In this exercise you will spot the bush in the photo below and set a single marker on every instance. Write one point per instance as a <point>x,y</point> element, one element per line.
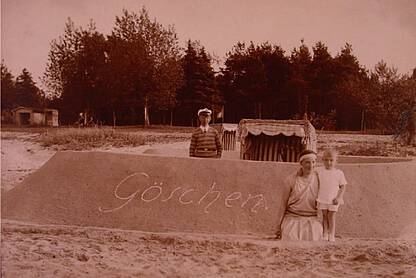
<point>320,121</point>
<point>87,138</point>
<point>324,122</point>
<point>405,132</point>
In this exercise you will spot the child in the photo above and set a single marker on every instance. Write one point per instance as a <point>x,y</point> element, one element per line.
<point>331,190</point>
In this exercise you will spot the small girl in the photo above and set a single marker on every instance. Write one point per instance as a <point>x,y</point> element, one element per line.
<point>331,190</point>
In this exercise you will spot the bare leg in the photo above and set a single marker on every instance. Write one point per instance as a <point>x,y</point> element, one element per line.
<point>325,223</point>
<point>331,222</point>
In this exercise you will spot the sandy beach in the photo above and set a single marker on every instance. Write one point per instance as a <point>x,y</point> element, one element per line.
<point>33,250</point>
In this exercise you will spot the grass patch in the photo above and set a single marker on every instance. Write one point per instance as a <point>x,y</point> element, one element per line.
<point>158,128</point>
<point>377,149</point>
<point>9,136</point>
<point>87,138</point>
<point>364,150</point>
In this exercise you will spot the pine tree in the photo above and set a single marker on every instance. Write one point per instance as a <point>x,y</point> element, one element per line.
<point>300,80</point>
<point>27,94</point>
<point>199,87</point>
<point>8,96</point>
<point>322,80</point>
<point>351,89</point>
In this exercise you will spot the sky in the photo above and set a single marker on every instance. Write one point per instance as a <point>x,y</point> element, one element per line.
<point>377,29</point>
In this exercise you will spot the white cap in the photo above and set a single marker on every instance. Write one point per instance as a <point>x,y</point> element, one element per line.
<point>205,110</point>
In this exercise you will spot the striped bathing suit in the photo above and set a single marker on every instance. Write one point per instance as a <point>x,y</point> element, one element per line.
<point>205,144</point>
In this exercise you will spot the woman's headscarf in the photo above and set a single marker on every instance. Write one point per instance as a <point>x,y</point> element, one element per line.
<point>307,154</point>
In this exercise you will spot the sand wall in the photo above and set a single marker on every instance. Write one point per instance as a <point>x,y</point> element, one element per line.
<point>380,200</point>
<point>151,193</point>
<point>155,193</point>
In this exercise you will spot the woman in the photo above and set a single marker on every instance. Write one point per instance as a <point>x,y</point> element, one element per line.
<point>300,221</point>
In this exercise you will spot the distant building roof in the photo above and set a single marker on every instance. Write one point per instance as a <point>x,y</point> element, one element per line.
<point>34,109</point>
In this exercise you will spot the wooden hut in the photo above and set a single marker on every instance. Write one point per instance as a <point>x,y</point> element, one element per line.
<point>228,133</point>
<point>275,140</point>
<point>23,116</point>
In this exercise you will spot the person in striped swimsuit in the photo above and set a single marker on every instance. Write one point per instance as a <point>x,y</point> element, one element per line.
<point>205,141</point>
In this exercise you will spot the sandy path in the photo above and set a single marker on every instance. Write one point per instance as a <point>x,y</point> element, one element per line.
<point>19,158</point>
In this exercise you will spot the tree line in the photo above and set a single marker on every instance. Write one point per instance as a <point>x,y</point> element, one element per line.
<point>19,91</point>
<point>139,74</point>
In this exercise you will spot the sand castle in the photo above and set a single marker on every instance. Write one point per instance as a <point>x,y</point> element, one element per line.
<point>162,194</point>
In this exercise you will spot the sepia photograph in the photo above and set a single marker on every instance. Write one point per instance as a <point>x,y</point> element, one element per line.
<point>195,138</point>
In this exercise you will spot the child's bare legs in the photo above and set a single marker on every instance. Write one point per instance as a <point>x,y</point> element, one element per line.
<point>331,225</point>
<point>325,222</point>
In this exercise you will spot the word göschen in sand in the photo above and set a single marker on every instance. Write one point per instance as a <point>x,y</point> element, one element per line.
<point>154,192</point>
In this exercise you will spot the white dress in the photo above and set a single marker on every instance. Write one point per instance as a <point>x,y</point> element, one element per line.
<point>300,221</point>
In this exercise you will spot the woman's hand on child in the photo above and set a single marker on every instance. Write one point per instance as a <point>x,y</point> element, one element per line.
<point>278,234</point>
<point>335,201</point>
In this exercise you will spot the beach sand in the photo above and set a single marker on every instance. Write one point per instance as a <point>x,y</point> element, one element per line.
<point>32,250</point>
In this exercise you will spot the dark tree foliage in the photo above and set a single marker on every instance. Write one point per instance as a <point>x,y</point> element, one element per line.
<point>138,74</point>
<point>153,63</point>
<point>253,81</point>
<point>323,80</point>
<point>27,94</point>
<point>199,87</point>
<point>21,91</point>
<point>351,80</point>
<point>115,79</point>
<point>389,96</point>
<point>8,96</point>
<point>74,72</point>
<point>299,84</point>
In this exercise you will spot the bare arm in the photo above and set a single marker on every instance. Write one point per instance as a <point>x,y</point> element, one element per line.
<point>340,194</point>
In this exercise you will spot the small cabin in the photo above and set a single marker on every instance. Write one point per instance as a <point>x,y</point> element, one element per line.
<point>29,116</point>
<point>275,140</point>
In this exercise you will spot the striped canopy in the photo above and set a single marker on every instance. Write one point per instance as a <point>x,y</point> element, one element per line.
<point>302,129</point>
